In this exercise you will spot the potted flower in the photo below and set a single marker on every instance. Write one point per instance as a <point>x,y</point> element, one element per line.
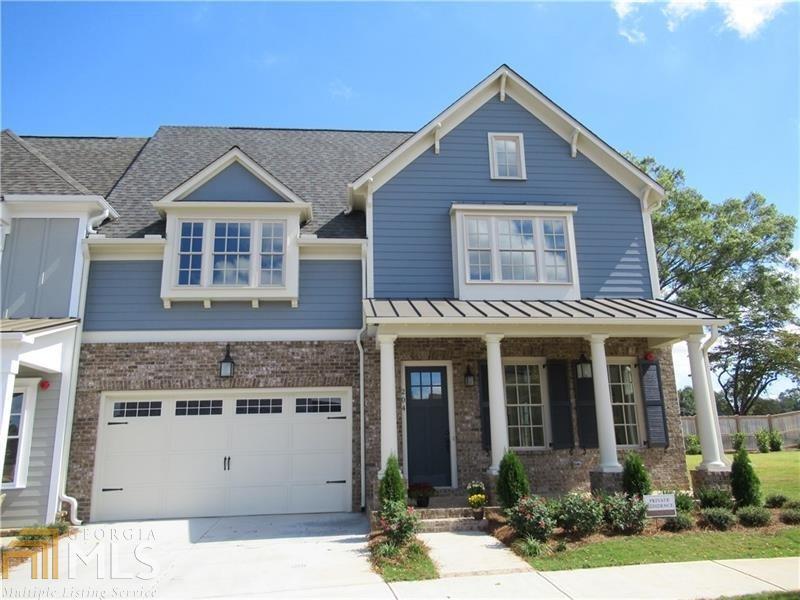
<point>475,487</point>
<point>476,503</point>
<point>421,492</point>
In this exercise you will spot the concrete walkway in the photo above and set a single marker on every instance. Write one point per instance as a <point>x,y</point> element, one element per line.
<point>463,553</point>
<point>689,580</point>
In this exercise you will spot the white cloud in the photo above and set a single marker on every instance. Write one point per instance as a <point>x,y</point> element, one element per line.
<point>339,89</point>
<point>627,12</point>
<point>747,17</point>
<point>677,11</point>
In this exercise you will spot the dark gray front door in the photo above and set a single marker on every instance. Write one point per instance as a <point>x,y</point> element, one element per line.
<point>428,425</point>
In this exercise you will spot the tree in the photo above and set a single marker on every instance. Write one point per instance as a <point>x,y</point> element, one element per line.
<point>790,399</point>
<point>686,399</point>
<point>732,259</point>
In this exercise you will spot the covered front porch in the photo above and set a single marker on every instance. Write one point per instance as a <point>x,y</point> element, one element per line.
<point>570,386</point>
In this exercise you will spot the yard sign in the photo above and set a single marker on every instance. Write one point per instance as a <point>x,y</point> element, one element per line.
<point>660,505</point>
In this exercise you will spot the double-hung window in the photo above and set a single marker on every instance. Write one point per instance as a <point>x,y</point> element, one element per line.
<point>525,404</point>
<point>231,254</point>
<point>506,156</point>
<point>20,432</point>
<point>190,253</point>
<point>624,406</point>
<point>479,249</point>
<point>272,253</point>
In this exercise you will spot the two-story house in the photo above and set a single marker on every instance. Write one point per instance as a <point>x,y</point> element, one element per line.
<point>269,314</point>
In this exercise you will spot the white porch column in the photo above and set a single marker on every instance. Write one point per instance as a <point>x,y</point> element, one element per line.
<point>606,438</point>
<point>388,399</point>
<point>706,423</point>
<point>497,403</point>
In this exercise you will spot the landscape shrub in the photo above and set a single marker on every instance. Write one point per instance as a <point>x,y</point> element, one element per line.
<point>715,497</point>
<point>530,517</point>
<point>775,441</point>
<point>681,522</point>
<point>718,518</point>
<point>738,440</point>
<point>745,484</point>
<point>691,444</point>
<point>624,514</point>
<point>792,504</point>
<point>635,478</point>
<point>37,533</point>
<point>580,515</point>
<point>530,547</point>
<point>392,487</point>
<point>775,500</point>
<point>762,440</point>
<point>512,482</point>
<point>790,516</point>
<point>385,550</point>
<point>753,516</point>
<point>398,522</point>
<point>684,502</point>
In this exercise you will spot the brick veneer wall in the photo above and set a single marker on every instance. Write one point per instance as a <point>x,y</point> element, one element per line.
<point>182,366</point>
<point>550,471</point>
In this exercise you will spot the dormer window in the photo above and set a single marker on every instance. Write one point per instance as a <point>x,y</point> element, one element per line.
<point>507,156</point>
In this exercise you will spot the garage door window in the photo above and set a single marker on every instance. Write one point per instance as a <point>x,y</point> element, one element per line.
<point>318,405</point>
<point>198,407</point>
<point>259,406</point>
<point>137,409</point>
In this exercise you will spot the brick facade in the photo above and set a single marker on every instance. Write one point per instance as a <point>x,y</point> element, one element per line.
<point>174,366</point>
<point>550,471</point>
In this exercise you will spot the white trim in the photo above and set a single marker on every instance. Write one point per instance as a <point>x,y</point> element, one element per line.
<point>537,104</point>
<point>36,204</point>
<point>652,261</point>
<point>637,397</point>
<point>514,208</point>
<point>540,362</point>
<point>28,387</point>
<point>101,248</point>
<point>330,249</point>
<point>219,335</point>
<point>518,138</point>
<point>233,155</point>
<point>370,247</point>
<point>451,413</point>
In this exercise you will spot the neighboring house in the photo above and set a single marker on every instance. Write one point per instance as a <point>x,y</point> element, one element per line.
<point>269,314</point>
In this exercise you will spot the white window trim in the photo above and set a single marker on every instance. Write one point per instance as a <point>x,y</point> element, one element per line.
<point>493,136</point>
<point>28,387</point>
<point>541,362</point>
<point>637,397</point>
<point>497,288</point>
<point>253,292</point>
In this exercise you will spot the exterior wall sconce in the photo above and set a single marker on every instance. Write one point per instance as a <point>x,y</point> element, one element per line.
<point>469,378</point>
<point>584,367</point>
<point>226,365</point>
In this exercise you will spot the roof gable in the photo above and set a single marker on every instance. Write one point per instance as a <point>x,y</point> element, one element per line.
<point>507,83</point>
<point>234,183</point>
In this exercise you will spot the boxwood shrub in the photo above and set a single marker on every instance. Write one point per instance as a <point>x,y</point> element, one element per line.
<point>681,522</point>
<point>715,497</point>
<point>718,518</point>
<point>753,516</point>
<point>790,516</point>
<point>775,500</point>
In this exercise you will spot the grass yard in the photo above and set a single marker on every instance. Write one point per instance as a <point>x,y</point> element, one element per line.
<point>700,545</point>
<point>779,472</point>
<point>411,563</point>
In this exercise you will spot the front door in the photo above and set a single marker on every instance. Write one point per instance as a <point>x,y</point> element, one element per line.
<point>428,425</point>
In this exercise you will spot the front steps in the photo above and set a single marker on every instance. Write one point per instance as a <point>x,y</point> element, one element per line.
<point>449,519</point>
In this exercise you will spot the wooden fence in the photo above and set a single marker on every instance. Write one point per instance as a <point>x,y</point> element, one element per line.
<point>788,424</point>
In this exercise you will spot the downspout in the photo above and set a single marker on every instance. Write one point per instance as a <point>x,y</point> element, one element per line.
<point>97,220</point>
<point>712,339</point>
<point>361,331</point>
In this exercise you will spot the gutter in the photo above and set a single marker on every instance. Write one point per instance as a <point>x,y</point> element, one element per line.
<point>705,347</point>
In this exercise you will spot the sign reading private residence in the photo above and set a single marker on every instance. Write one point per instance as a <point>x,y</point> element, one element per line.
<point>660,505</point>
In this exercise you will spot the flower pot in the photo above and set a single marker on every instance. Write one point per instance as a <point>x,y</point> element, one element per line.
<point>423,501</point>
<point>477,513</point>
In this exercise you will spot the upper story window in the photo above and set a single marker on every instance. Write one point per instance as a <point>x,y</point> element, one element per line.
<point>507,156</point>
<point>20,433</point>
<point>524,252</point>
<point>190,254</point>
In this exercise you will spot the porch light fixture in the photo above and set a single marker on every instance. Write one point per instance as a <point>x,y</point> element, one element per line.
<point>584,367</point>
<point>226,365</point>
<point>469,378</point>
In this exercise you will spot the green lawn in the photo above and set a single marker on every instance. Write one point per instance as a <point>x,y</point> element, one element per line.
<point>412,563</point>
<point>700,545</point>
<point>779,472</point>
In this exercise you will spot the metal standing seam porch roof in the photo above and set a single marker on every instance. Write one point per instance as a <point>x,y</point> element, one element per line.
<point>595,311</point>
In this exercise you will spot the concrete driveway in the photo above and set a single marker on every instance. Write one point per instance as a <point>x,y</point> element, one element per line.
<point>213,557</point>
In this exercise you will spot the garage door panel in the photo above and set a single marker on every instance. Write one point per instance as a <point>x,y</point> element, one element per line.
<point>320,434</point>
<point>195,501</point>
<point>130,503</point>
<point>207,433</point>
<point>319,498</point>
<point>260,500</point>
<point>134,469</point>
<point>260,433</point>
<point>149,433</point>
<point>257,469</point>
<point>196,467</point>
<point>310,468</point>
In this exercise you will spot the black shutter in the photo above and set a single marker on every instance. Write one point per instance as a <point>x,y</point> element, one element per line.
<point>584,407</point>
<point>655,414</point>
<point>560,408</point>
<point>483,382</point>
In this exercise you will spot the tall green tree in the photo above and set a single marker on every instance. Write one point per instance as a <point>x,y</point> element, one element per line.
<point>732,259</point>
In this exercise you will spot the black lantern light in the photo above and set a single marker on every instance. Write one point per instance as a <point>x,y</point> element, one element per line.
<point>226,365</point>
<point>469,378</point>
<point>584,368</point>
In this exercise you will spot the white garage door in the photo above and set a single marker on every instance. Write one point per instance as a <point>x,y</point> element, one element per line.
<point>190,454</point>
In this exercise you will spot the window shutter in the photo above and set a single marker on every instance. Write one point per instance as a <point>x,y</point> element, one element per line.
<point>483,382</point>
<point>655,414</point>
<point>560,408</point>
<point>584,407</point>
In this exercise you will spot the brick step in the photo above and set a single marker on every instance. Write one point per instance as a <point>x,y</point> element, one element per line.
<point>444,513</point>
<point>452,524</point>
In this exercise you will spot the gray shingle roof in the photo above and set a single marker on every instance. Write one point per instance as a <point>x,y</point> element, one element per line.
<point>316,164</point>
<point>23,171</point>
<point>97,163</point>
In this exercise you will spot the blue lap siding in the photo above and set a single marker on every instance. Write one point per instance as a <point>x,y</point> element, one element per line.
<point>125,296</point>
<point>411,228</point>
